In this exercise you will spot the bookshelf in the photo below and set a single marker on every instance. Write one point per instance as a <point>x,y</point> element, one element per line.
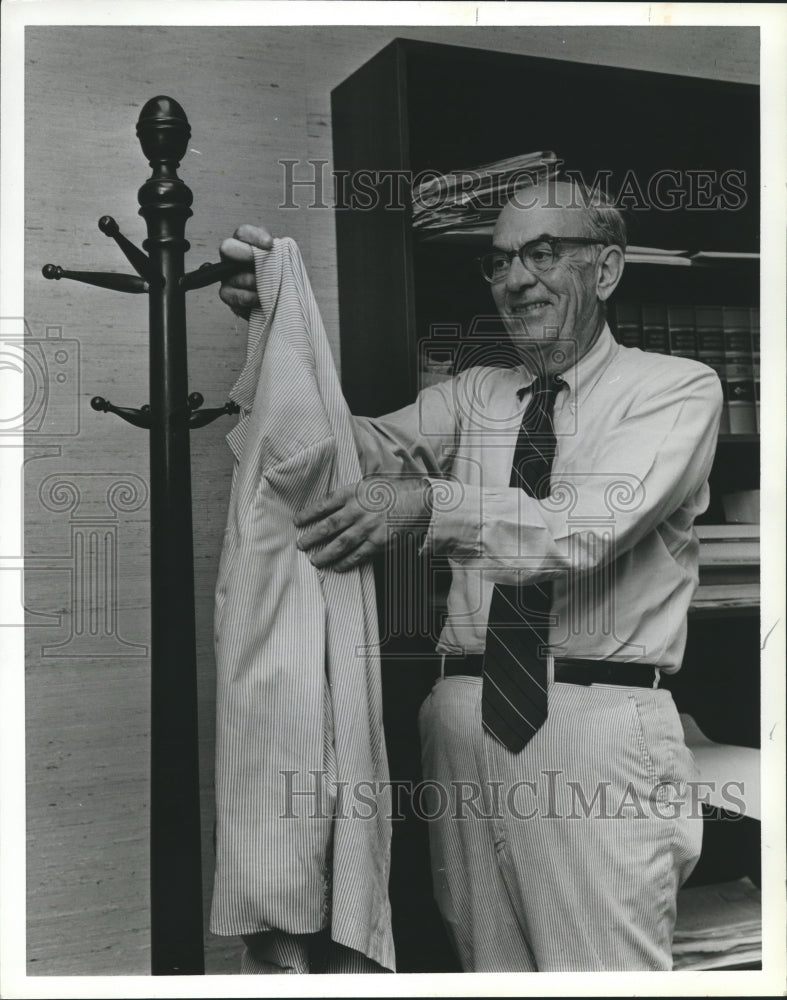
<point>419,107</point>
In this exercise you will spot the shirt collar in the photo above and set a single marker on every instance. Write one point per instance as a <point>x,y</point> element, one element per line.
<point>582,375</point>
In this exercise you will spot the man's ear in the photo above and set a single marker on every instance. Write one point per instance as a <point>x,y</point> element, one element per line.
<point>609,271</point>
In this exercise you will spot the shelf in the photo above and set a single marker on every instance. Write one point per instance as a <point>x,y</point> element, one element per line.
<point>739,439</point>
<point>710,609</point>
<point>480,236</point>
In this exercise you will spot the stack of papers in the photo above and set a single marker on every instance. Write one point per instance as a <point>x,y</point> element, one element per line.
<point>472,199</point>
<point>684,258</point>
<point>729,562</point>
<point>718,926</point>
<point>729,544</point>
<point>654,255</point>
<point>724,255</point>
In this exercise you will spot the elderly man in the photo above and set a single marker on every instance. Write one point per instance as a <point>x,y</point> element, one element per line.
<point>563,492</point>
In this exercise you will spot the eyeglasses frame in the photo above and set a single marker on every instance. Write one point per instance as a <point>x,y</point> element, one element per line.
<point>553,241</point>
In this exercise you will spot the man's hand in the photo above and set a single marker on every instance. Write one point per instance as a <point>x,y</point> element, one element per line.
<point>240,291</point>
<point>361,520</point>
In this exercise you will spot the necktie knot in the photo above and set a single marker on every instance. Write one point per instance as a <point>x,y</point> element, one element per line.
<point>544,392</point>
<point>536,443</point>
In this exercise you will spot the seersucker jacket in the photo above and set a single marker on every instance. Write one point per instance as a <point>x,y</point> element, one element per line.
<point>299,702</point>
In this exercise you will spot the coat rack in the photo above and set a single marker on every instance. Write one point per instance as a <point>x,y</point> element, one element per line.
<point>175,866</point>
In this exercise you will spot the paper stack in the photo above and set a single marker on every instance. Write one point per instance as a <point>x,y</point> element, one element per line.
<point>729,565</point>
<point>470,200</point>
<point>718,926</point>
<point>655,255</point>
<point>714,255</point>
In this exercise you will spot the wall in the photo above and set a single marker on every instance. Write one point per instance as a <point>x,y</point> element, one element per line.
<point>253,96</point>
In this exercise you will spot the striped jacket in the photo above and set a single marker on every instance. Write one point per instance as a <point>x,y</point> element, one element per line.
<point>298,673</point>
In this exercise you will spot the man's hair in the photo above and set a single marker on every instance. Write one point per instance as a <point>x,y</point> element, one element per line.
<point>603,220</point>
<point>606,222</point>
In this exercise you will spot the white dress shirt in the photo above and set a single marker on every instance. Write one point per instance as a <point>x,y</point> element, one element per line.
<point>636,435</point>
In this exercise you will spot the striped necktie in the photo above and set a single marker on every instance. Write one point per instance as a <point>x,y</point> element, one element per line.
<point>514,700</point>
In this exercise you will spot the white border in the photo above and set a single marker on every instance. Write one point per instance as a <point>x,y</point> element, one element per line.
<point>772,18</point>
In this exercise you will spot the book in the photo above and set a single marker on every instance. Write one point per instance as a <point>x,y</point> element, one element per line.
<point>736,324</point>
<point>655,332</point>
<point>755,359</point>
<point>710,351</point>
<point>682,331</point>
<point>628,324</point>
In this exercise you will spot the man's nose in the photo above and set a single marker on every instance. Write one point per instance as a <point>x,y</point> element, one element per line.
<point>519,276</point>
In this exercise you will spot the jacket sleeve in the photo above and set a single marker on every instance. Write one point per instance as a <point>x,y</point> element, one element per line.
<point>652,467</point>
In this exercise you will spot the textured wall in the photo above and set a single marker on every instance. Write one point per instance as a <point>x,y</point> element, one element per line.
<point>254,96</point>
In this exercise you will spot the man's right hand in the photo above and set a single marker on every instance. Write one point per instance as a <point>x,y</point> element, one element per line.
<point>240,291</point>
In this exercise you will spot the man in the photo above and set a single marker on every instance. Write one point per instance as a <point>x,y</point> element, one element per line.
<point>563,492</point>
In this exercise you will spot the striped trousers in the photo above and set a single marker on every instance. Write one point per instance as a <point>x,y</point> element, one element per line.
<point>274,952</point>
<point>567,856</point>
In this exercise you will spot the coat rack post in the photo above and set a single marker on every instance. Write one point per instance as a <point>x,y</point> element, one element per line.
<point>165,204</point>
<point>175,866</point>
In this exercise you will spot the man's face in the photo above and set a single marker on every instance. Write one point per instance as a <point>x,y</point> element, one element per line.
<point>559,304</point>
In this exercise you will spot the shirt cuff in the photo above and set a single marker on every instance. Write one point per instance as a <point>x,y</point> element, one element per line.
<point>455,525</point>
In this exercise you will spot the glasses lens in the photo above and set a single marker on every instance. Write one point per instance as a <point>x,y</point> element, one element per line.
<point>537,256</point>
<point>495,266</point>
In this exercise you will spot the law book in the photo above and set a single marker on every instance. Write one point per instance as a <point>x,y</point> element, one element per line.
<point>736,323</point>
<point>682,331</point>
<point>755,358</point>
<point>655,331</point>
<point>710,351</point>
<point>628,324</point>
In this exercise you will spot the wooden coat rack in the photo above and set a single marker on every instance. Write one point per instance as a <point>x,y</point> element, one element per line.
<point>165,204</point>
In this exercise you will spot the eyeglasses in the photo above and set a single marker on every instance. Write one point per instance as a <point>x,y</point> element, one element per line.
<point>537,256</point>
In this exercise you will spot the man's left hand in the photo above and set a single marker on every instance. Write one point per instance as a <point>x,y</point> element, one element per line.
<point>360,520</point>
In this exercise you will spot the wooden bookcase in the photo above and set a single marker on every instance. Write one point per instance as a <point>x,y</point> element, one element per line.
<point>419,106</point>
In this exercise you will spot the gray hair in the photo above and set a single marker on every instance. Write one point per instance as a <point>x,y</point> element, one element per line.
<point>603,219</point>
<point>606,222</point>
